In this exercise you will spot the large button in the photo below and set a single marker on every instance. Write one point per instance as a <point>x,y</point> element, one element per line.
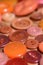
<point>21,23</point>
<point>25,7</point>
<point>15,49</point>
<point>20,35</point>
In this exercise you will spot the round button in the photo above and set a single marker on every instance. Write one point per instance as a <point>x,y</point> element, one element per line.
<point>3,40</point>
<point>34,30</point>
<point>4,7</point>
<point>41,60</point>
<point>20,35</point>
<point>41,47</point>
<point>5,28</point>
<point>8,17</point>
<point>32,44</point>
<point>39,38</point>
<point>32,57</point>
<point>0,17</point>
<point>21,23</point>
<point>3,58</point>
<point>36,16</point>
<point>16,61</point>
<point>25,7</point>
<point>40,1</point>
<point>41,24</point>
<point>15,49</point>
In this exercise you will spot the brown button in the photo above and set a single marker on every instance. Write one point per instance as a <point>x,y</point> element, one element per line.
<point>20,35</point>
<point>39,38</point>
<point>31,43</point>
<point>4,28</point>
<point>21,23</point>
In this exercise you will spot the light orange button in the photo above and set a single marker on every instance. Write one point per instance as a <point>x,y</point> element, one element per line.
<point>41,24</point>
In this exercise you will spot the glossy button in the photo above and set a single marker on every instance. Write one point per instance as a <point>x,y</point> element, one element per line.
<point>25,7</point>
<point>20,35</point>
<point>40,1</point>
<point>16,61</point>
<point>32,57</point>
<point>4,8</point>
<point>15,49</point>
<point>34,30</point>
<point>3,40</point>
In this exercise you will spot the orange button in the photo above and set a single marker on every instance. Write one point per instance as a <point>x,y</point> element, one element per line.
<point>4,7</point>
<point>15,49</point>
<point>41,46</point>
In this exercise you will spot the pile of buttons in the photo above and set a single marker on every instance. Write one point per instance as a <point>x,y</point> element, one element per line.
<point>21,32</point>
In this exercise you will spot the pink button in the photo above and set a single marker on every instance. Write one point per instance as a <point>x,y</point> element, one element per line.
<point>0,17</point>
<point>40,1</point>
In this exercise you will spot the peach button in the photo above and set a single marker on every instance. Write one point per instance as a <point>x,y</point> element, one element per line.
<point>41,46</point>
